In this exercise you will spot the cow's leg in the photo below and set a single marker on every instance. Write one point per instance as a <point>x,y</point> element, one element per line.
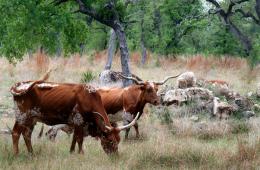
<point>127,130</point>
<point>17,130</point>
<point>127,133</point>
<point>79,133</point>
<point>27,135</point>
<point>41,131</point>
<point>73,144</point>
<point>127,118</point>
<point>137,130</point>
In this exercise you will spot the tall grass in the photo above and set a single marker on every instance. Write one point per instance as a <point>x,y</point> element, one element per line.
<point>167,142</point>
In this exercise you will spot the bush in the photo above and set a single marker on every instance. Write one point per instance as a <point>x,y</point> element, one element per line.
<point>87,76</point>
<point>240,127</point>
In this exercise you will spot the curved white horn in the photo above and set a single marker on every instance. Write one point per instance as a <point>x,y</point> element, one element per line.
<point>130,124</point>
<point>166,79</point>
<point>109,128</point>
<point>132,78</point>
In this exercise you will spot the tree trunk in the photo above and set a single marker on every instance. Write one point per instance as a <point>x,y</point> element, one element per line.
<point>257,8</point>
<point>111,49</point>
<point>144,54</point>
<point>81,46</point>
<point>59,45</point>
<point>244,40</point>
<point>120,33</point>
<point>157,20</point>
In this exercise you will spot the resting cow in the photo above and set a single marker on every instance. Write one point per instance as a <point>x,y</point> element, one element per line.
<point>131,100</point>
<point>62,103</point>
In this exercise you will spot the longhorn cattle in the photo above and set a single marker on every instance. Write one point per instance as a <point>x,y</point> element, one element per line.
<point>131,100</point>
<point>62,103</point>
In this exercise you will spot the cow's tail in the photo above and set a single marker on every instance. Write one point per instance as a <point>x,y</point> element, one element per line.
<point>46,75</point>
<point>30,84</point>
<point>42,79</point>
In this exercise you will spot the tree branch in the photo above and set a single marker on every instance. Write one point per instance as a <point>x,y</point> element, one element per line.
<point>232,4</point>
<point>215,3</point>
<point>248,15</point>
<point>214,11</point>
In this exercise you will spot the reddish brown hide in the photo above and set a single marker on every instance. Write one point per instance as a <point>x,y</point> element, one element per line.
<point>60,103</point>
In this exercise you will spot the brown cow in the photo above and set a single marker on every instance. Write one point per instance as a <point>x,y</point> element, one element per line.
<point>62,103</point>
<point>131,100</point>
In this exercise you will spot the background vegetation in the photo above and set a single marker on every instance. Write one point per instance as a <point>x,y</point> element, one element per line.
<point>164,27</point>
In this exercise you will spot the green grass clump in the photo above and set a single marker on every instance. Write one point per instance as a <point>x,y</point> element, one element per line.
<point>87,76</point>
<point>240,127</point>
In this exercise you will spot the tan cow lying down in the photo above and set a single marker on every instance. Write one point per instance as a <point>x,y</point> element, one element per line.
<point>62,103</point>
<point>186,79</point>
<point>131,100</point>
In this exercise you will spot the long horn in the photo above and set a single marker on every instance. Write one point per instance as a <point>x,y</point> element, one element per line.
<point>130,124</point>
<point>166,79</point>
<point>132,78</point>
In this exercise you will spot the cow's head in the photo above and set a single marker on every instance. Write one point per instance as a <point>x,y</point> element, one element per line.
<point>150,89</point>
<point>111,138</point>
<point>149,92</point>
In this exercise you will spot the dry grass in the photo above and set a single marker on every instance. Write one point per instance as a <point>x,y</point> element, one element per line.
<point>207,144</point>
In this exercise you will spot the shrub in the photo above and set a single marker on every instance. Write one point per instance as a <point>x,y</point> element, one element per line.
<point>240,127</point>
<point>87,76</point>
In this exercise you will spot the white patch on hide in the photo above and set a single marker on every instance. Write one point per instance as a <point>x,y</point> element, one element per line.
<point>151,84</point>
<point>20,88</point>
<point>24,86</point>
<point>90,89</point>
<point>19,116</point>
<point>47,85</point>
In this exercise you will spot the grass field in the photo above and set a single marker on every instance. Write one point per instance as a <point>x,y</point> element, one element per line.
<point>183,144</point>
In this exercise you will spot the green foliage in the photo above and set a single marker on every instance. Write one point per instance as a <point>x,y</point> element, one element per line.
<point>87,76</point>
<point>169,27</point>
<point>240,127</point>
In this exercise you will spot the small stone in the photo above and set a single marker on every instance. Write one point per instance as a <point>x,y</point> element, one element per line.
<point>256,107</point>
<point>248,114</point>
<point>194,118</point>
<point>249,94</point>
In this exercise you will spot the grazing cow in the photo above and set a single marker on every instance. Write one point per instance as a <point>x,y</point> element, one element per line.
<point>131,100</point>
<point>62,103</point>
